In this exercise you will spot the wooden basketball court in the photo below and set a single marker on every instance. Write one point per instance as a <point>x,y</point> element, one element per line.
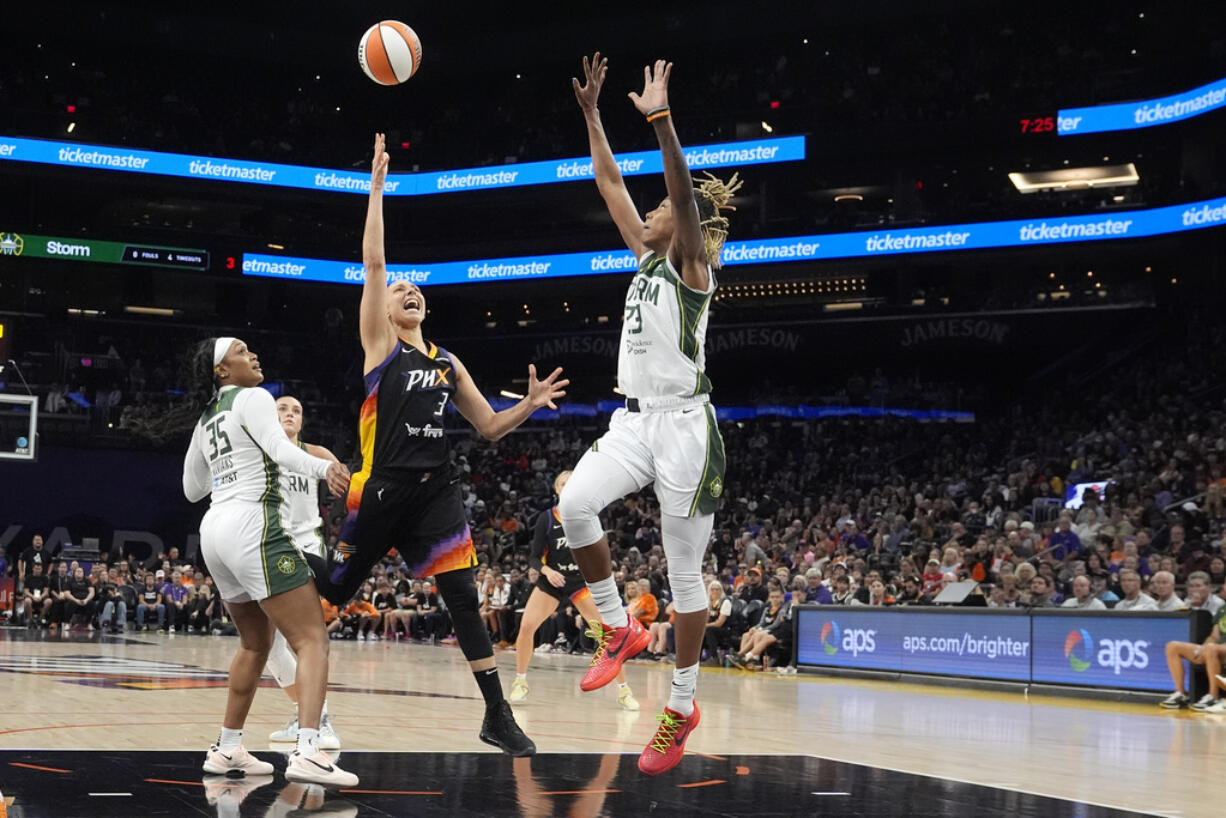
<point>100,725</point>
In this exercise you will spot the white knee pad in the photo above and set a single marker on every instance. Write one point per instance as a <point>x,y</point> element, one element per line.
<point>685,541</point>
<point>282,663</point>
<point>598,480</point>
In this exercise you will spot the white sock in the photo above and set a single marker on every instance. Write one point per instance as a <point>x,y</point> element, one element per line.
<point>685,682</point>
<point>324,710</point>
<point>620,685</point>
<point>229,739</point>
<point>308,740</point>
<point>609,602</point>
<point>521,677</point>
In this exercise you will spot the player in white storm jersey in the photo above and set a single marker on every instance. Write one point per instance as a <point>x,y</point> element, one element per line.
<point>666,433</point>
<point>303,523</point>
<point>237,453</point>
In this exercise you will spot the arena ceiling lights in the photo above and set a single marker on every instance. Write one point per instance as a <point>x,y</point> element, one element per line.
<point>1124,175</point>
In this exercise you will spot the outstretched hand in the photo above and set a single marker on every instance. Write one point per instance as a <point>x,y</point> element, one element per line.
<point>338,479</point>
<point>544,393</point>
<point>655,88</point>
<point>378,166</point>
<point>594,72</point>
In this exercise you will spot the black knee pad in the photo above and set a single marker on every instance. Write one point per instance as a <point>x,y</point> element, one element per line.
<point>459,591</point>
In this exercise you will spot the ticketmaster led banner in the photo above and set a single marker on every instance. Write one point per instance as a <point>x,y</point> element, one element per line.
<point>126,160</point>
<point>1125,116</point>
<point>978,236</point>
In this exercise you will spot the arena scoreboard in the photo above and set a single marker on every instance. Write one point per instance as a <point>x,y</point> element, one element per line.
<point>25,245</point>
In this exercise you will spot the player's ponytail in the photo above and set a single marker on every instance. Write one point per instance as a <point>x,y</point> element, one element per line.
<point>202,377</point>
<point>712,195</point>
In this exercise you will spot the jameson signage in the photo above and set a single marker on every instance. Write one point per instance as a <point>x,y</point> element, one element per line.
<point>26,245</point>
<point>942,329</point>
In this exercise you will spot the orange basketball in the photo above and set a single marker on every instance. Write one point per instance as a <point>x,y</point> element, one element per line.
<point>389,52</point>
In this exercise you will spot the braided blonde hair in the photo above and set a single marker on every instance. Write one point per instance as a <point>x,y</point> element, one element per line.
<point>716,193</point>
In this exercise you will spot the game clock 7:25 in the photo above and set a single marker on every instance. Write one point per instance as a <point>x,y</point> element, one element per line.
<point>1038,124</point>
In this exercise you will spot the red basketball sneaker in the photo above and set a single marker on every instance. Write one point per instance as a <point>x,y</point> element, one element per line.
<point>668,745</point>
<point>613,646</point>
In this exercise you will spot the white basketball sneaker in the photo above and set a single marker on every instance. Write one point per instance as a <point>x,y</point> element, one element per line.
<point>328,739</point>
<point>519,690</point>
<point>287,733</point>
<point>318,769</point>
<point>236,762</point>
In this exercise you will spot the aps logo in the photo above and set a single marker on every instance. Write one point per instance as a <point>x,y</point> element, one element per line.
<point>1079,642</point>
<point>1116,655</point>
<point>853,640</point>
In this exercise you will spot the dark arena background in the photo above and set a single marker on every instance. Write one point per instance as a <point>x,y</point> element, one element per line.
<point>968,350</point>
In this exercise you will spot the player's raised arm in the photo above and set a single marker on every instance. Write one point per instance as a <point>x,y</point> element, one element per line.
<point>687,251</point>
<point>494,425</point>
<point>608,175</point>
<point>376,330</point>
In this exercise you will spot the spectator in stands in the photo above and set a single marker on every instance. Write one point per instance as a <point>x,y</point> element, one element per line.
<point>1064,541</point>
<point>1162,587</point>
<point>1133,599</point>
<point>657,648</point>
<point>1098,587</point>
<point>911,591</point>
<point>428,622</point>
<point>1083,596</point>
<point>150,603</point>
<point>640,603</point>
<point>842,592</point>
<point>932,578</point>
<point>114,617</point>
<point>360,616</point>
<point>58,585</point>
<point>1200,596</point>
<point>79,603</point>
<point>36,597</point>
<point>203,605</point>
<point>1217,570</point>
<point>1040,592</point>
<point>752,553</point>
<point>176,597</point>
<point>384,601</point>
<point>1210,654</point>
<point>718,636</point>
<point>877,593</point>
<point>332,619</point>
<point>752,587</point>
<point>817,593</point>
<point>766,633</point>
<point>34,555</point>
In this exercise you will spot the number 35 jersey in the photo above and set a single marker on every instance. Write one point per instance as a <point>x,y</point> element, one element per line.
<point>402,421</point>
<point>238,450</point>
<point>664,332</point>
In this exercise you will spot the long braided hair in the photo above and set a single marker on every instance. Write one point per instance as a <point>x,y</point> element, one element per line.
<point>712,195</point>
<point>169,426</point>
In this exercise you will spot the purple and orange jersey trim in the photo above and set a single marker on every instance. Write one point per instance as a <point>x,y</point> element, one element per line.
<point>451,554</point>
<point>580,595</point>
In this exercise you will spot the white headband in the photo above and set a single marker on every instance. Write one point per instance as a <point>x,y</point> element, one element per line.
<point>220,347</point>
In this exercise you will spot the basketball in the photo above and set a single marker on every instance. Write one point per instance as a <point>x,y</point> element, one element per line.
<point>390,52</point>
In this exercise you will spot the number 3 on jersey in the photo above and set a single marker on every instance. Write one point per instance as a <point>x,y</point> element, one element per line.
<point>442,404</point>
<point>216,433</point>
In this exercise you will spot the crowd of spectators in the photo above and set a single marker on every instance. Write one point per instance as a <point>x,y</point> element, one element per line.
<point>883,511</point>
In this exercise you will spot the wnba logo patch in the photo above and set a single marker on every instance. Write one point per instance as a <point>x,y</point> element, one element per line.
<point>1078,642</point>
<point>287,565</point>
<point>717,487</point>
